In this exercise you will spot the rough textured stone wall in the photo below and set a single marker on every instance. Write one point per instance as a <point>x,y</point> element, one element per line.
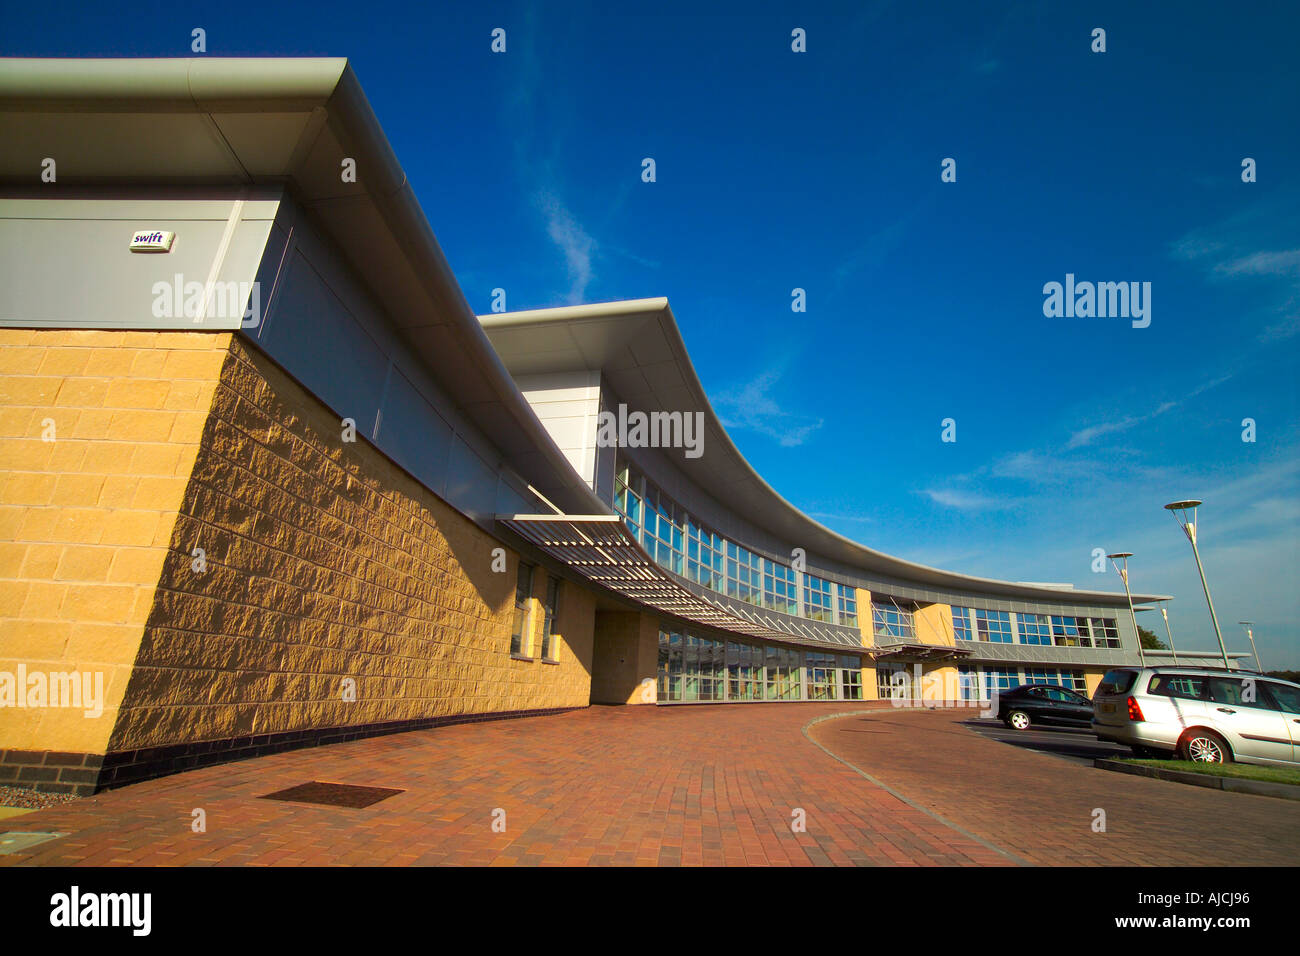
<point>325,562</point>
<point>99,432</point>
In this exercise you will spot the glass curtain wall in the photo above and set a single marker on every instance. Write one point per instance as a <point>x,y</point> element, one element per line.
<point>695,668</point>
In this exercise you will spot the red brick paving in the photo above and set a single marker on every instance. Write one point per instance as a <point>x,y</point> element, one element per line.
<point>645,786</point>
<point>710,785</point>
<point>1041,807</point>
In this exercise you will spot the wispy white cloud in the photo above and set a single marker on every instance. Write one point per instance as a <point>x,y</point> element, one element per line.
<point>967,500</point>
<point>1265,263</point>
<point>1086,436</point>
<point>753,406</point>
<point>1254,245</point>
<point>572,239</point>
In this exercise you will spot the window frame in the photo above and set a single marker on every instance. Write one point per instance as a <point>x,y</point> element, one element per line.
<point>520,636</point>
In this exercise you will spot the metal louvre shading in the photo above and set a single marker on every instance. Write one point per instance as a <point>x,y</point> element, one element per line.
<point>601,549</point>
<point>925,652</point>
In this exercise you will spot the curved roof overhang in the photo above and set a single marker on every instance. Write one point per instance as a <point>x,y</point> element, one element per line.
<point>638,348</point>
<point>252,122</point>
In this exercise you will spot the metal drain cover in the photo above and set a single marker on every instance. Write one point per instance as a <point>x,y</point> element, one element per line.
<point>334,794</point>
<point>20,841</point>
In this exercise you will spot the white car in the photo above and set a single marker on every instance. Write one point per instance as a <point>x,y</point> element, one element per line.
<point>1204,715</point>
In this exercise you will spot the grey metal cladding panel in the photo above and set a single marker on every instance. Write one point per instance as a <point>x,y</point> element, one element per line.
<point>314,336</point>
<point>1046,655</point>
<point>80,273</point>
<point>471,482</point>
<point>414,434</point>
<point>511,500</point>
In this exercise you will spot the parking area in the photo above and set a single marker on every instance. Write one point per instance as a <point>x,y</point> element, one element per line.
<point>1055,808</point>
<point>1069,743</point>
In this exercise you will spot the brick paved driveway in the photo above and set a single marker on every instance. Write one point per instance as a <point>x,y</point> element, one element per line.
<point>1041,807</point>
<point>646,786</point>
<point>631,785</point>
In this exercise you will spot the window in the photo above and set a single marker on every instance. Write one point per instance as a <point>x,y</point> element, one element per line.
<point>1104,632</point>
<point>1062,696</point>
<point>822,683</point>
<point>705,557</point>
<point>703,668</point>
<point>1035,628</point>
<point>627,495</point>
<point>1071,631</point>
<point>1287,697</point>
<point>816,598</point>
<point>1116,682</point>
<point>1177,685</point>
<point>783,681</point>
<point>672,661</point>
<point>548,624</point>
<point>850,678</point>
<point>744,671</point>
<point>683,546</point>
<point>1000,679</point>
<point>848,598</point>
<point>744,574</point>
<point>780,593</point>
<point>523,592</point>
<point>893,622</point>
<point>961,626</point>
<point>993,626</point>
<point>1039,675</point>
<point>891,683</point>
<point>1240,692</point>
<point>1075,681</point>
<point>968,678</point>
<point>663,530</point>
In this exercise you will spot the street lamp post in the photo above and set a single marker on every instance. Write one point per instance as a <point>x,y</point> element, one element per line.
<point>1164,612</point>
<point>1250,633</point>
<point>1184,513</point>
<point>1123,573</point>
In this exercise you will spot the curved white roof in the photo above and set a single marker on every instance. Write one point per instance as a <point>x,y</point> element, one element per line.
<point>639,351</point>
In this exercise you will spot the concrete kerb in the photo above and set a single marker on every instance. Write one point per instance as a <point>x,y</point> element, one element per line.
<point>1259,788</point>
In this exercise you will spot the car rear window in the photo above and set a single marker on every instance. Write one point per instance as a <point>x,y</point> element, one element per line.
<point>1177,685</point>
<point>1116,682</point>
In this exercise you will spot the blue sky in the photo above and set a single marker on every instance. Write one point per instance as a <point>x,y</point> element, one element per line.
<point>821,171</point>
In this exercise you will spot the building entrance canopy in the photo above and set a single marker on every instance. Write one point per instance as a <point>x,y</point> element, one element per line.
<point>601,549</point>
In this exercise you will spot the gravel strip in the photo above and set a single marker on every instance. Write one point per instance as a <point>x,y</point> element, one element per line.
<point>32,799</point>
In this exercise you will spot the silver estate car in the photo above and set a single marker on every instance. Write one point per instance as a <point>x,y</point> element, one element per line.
<point>1205,715</point>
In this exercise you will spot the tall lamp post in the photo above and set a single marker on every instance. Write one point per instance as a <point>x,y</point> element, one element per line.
<point>1184,513</point>
<point>1250,632</point>
<point>1115,559</point>
<point>1164,612</point>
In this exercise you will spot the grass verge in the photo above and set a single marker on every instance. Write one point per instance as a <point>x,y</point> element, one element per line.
<point>1240,770</point>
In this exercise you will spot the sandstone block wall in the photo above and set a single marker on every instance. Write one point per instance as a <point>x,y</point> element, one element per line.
<point>326,563</point>
<point>327,572</point>
<point>99,432</point>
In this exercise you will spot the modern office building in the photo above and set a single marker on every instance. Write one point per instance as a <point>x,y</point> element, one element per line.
<point>267,481</point>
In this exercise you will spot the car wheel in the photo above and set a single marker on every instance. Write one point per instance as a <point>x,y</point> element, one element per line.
<point>1018,720</point>
<point>1204,746</point>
